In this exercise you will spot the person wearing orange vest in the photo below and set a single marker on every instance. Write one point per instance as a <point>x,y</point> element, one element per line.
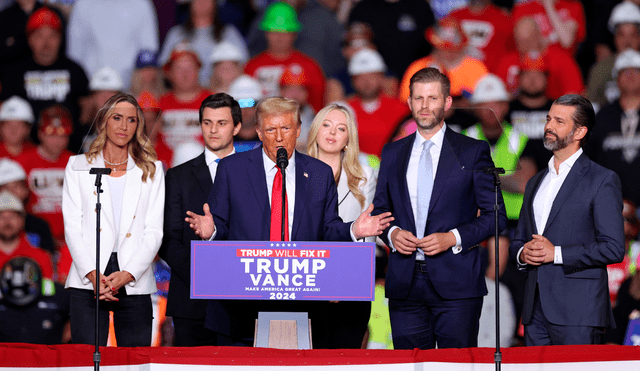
<point>450,57</point>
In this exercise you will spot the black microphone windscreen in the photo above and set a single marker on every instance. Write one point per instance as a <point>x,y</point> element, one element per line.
<point>282,158</point>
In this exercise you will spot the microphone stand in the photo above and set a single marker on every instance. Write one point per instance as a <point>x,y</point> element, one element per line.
<point>98,173</point>
<point>282,161</point>
<point>496,171</point>
<point>284,204</point>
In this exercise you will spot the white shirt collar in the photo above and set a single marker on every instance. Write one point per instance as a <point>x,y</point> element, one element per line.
<point>566,165</point>
<point>269,165</point>
<point>211,157</point>
<point>436,139</point>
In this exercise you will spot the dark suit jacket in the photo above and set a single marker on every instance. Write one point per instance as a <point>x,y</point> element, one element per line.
<point>586,221</point>
<point>460,189</point>
<point>187,188</point>
<point>241,211</point>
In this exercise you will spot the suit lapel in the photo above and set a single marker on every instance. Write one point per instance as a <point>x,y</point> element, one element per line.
<point>302,192</point>
<point>576,173</point>
<point>445,165</point>
<point>257,178</point>
<point>132,187</point>
<point>202,174</point>
<point>404,154</point>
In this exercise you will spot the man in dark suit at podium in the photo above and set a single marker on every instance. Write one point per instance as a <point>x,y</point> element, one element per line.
<point>187,188</point>
<point>246,199</point>
<point>435,185</point>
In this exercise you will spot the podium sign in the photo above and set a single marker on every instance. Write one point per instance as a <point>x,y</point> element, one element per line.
<point>266,270</point>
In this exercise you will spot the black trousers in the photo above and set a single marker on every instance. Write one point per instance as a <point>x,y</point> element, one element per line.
<point>132,316</point>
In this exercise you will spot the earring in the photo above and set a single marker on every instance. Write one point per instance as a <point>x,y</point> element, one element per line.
<point>345,148</point>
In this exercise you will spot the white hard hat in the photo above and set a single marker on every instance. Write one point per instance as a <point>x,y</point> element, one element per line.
<point>246,87</point>
<point>16,108</point>
<point>106,79</point>
<point>226,51</point>
<point>625,12</point>
<point>10,171</point>
<point>627,59</point>
<point>490,88</point>
<point>8,201</point>
<point>366,61</point>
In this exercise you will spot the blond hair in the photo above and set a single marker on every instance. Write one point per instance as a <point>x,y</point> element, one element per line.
<point>139,148</point>
<point>275,106</point>
<point>350,161</point>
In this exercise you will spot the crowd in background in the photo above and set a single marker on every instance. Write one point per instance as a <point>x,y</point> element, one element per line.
<point>61,60</point>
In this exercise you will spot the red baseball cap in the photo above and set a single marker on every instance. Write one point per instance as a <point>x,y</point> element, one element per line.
<point>43,17</point>
<point>55,120</point>
<point>179,51</point>
<point>147,101</point>
<point>447,35</point>
<point>294,75</point>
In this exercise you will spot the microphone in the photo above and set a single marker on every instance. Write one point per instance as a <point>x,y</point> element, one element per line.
<point>282,159</point>
<point>100,170</point>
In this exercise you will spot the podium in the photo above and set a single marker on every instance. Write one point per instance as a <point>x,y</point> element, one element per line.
<point>283,271</point>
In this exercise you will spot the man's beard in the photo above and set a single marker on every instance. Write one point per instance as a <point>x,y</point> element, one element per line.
<point>559,143</point>
<point>7,237</point>
<point>432,122</point>
<point>532,94</point>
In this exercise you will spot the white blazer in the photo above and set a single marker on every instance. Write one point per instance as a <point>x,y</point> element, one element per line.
<point>141,224</point>
<point>349,208</point>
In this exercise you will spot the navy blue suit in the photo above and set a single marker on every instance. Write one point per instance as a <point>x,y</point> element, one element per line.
<point>586,221</point>
<point>460,189</point>
<point>241,211</point>
<point>187,188</point>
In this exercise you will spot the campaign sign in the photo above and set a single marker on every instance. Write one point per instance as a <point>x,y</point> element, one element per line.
<point>268,270</point>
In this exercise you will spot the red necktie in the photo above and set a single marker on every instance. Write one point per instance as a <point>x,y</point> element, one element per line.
<point>276,211</point>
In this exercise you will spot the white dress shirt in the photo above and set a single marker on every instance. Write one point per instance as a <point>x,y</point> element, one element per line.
<point>546,194</point>
<point>116,185</point>
<point>210,159</point>
<point>412,179</point>
<point>270,170</point>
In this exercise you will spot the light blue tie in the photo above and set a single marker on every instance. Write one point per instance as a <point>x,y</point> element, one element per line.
<point>425,186</point>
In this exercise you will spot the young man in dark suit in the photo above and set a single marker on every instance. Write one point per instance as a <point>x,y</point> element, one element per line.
<point>187,188</point>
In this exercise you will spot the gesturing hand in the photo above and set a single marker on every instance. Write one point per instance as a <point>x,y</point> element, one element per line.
<point>367,225</point>
<point>202,225</point>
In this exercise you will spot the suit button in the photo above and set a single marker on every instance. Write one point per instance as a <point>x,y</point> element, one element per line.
<point>94,193</point>
<point>128,235</point>
<point>134,217</point>
<point>95,210</point>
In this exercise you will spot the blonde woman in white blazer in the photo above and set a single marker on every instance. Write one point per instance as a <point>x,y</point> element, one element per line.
<point>333,138</point>
<point>131,227</point>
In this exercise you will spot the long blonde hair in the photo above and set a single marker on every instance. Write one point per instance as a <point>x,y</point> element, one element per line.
<point>350,162</point>
<point>140,148</point>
